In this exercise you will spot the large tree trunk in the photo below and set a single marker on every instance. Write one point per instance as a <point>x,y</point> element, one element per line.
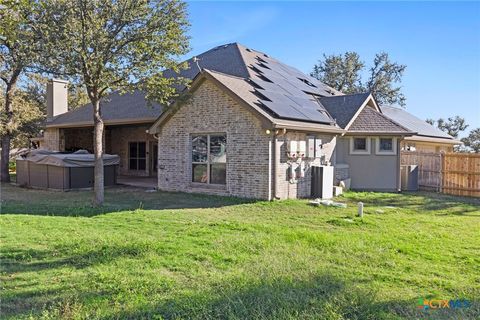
<point>5,175</point>
<point>98,185</point>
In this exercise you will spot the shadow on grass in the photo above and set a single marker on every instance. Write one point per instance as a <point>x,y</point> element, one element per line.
<point>31,260</point>
<point>322,296</point>
<point>421,202</point>
<point>16,200</point>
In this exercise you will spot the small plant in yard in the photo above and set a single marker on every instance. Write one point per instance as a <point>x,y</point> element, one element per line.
<point>12,166</point>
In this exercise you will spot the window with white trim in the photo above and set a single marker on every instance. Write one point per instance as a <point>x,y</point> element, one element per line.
<point>209,159</point>
<point>386,145</point>
<point>359,145</point>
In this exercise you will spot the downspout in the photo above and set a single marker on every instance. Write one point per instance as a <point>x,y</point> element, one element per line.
<point>276,159</point>
<point>275,156</point>
<point>399,151</point>
<point>156,135</point>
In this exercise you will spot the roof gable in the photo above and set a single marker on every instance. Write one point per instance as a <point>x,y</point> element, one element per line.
<point>371,121</point>
<point>344,108</point>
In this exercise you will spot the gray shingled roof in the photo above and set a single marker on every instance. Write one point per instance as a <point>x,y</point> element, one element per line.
<point>280,90</point>
<point>413,123</point>
<point>369,120</point>
<point>115,107</point>
<point>343,108</point>
<point>283,91</point>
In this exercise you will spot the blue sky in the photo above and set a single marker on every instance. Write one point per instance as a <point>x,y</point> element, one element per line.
<point>438,41</point>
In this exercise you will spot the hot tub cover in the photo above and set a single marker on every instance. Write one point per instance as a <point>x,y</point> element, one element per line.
<point>80,158</point>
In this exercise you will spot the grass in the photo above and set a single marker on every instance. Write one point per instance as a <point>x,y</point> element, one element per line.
<point>176,256</point>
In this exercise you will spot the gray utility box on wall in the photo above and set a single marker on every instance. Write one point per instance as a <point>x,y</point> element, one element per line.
<point>409,177</point>
<point>322,182</point>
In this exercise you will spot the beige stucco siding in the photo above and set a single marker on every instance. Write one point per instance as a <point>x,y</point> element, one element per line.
<point>369,171</point>
<point>210,110</point>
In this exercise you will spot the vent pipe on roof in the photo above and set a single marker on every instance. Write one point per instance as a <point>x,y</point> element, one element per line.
<point>57,98</point>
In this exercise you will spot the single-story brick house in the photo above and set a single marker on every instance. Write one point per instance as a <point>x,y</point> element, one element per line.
<point>251,126</point>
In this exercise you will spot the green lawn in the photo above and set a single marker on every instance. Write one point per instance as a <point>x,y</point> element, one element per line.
<point>175,256</point>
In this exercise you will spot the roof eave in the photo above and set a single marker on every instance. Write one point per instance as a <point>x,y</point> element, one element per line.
<point>378,133</point>
<point>306,126</point>
<point>418,137</point>
<point>106,122</point>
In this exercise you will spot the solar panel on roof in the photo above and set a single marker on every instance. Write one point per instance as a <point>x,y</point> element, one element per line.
<point>284,111</point>
<point>269,86</point>
<point>294,107</point>
<point>270,72</point>
<point>311,109</point>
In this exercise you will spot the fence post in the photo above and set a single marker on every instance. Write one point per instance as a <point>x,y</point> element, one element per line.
<point>442,171</point>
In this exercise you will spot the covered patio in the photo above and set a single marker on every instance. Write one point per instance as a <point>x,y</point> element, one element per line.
<point>139,182</point>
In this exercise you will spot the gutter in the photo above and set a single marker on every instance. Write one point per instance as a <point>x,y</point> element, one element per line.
<point>434,140</point>
<point>310,127</point>
<point>106,123</point>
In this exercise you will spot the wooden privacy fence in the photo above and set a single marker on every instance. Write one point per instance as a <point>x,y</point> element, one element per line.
<point>452,173</point>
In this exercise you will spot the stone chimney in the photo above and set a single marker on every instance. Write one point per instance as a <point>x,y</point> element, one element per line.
<point>57,98</point>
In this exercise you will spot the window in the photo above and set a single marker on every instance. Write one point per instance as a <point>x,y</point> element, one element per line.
<point>137,156</point>
<point>359,145</point>
<point>209,158</point>
<point>386,145</point>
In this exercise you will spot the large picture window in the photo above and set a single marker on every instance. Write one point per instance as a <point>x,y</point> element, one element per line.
<point>209,158</point>
<point>137,156</point>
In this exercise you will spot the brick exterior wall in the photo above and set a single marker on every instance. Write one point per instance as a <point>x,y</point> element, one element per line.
<point>249,149</point>
<point>118,139</point>
<point>210,110</point>
<point>53,139</point>
<point>300,188</point>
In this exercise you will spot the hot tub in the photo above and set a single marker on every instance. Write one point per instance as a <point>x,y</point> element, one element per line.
<point>63,171</point>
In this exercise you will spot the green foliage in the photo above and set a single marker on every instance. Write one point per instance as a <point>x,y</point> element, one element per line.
<point>114,45</point>
<point>187,256</point>
<point>18,49</point>
<point>384,75</point>
<point>27,118</point>
<point>472,141</point>
<point>343,72</point>
<point>453,125</point>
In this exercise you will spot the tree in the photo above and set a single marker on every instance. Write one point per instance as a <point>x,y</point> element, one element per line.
<point>108,45</point>
<point>384,74</point>
<point>453,125</point>
<point>27,119</point>
<point>343,72</point>
<point>472,141</point>
<point>18,52</point>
